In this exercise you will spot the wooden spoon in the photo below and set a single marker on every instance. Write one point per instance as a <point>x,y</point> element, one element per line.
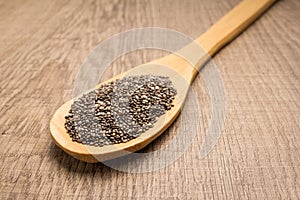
<point>181,67</point>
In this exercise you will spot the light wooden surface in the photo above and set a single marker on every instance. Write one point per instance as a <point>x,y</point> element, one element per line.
<point>43,44</point>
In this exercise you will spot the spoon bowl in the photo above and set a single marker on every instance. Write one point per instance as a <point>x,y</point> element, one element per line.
<point>89,153</point>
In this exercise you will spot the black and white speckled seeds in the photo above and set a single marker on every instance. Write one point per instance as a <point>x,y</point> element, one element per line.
<point>119,111</point>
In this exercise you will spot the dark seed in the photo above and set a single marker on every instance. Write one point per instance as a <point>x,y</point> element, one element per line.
<point>119,111</point>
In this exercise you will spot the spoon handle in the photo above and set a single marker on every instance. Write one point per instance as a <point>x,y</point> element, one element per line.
<point>221,33</point>
<point>232,24</point>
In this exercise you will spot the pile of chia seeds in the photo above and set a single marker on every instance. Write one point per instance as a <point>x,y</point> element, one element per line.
<point>120,110</point>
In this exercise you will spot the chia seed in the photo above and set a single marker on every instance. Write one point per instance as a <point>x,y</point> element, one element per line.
<point>119,111</point>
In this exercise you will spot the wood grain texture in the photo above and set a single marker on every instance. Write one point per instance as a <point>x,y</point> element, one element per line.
<point>42,46</point>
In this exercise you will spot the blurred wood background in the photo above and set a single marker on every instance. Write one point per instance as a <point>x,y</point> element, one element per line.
<point>42,45</point>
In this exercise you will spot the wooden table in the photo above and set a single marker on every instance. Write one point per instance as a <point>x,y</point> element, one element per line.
<point>43,44</point>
